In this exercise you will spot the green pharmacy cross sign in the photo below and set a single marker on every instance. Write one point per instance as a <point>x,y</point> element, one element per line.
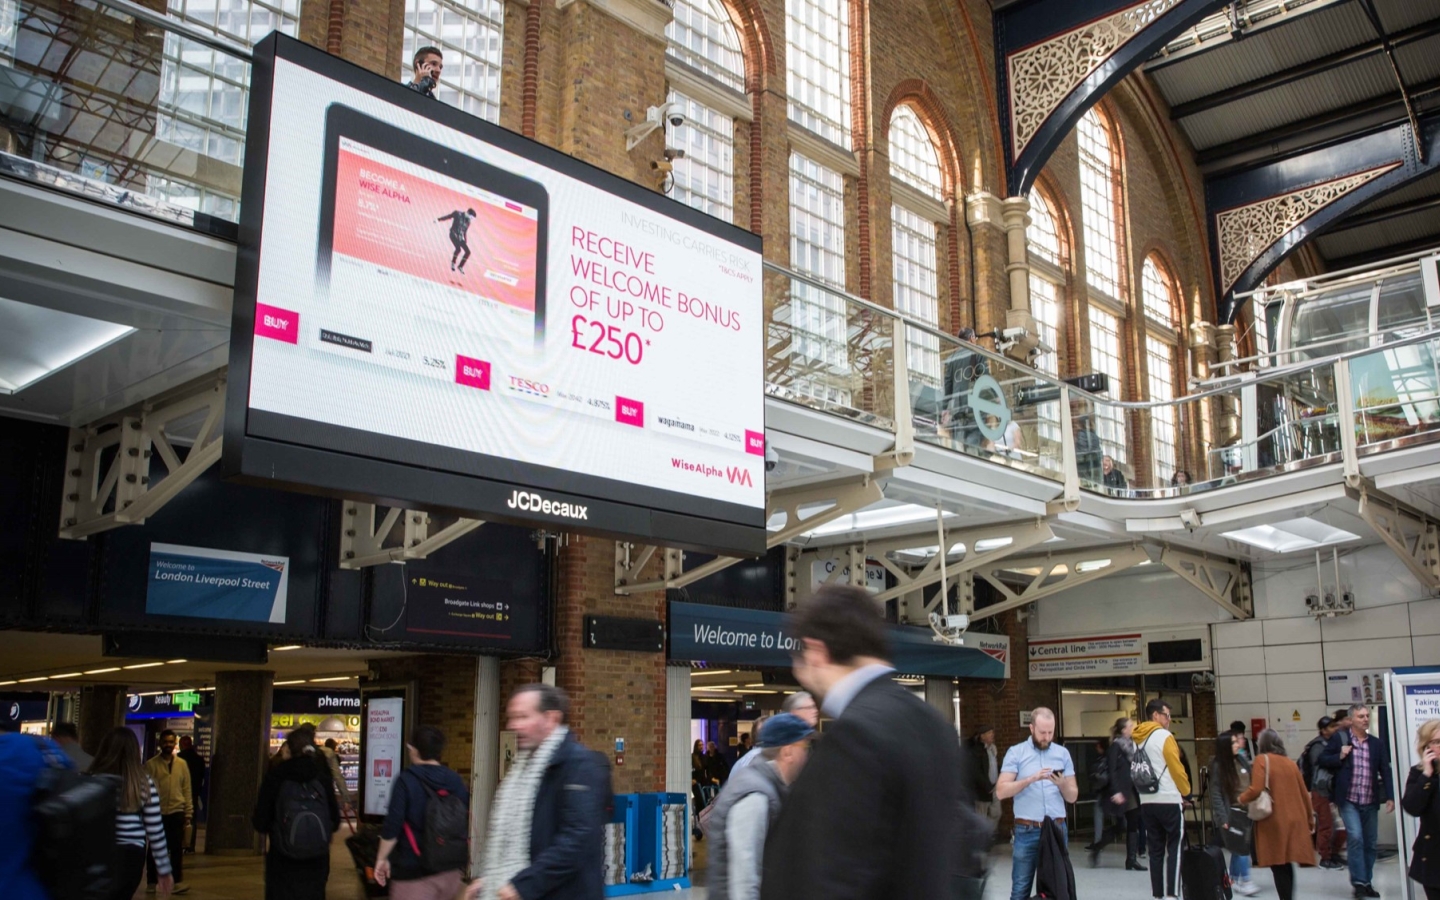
<point>185,701</point>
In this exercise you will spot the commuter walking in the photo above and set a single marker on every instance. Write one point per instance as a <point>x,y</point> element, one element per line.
<point>717,768</point>
<point>337,776</point>
<point>137,816</point>
<point>1321,784</point>
<point>749,806</point>
<point>68,737</point>
<point>196,764</point>
<point>1229,777</point>
<point>428,63</point>
<point>875,815</point>
<point>1119,797</point>
<point>546,839</point>
<point>1040,777</point>
<point>177,806</point>
<point>414,860</point>
<point>800,704</point>
<point>1362,782</point>
<point>22,758</point>
<point>1162,796</point>
<point>296,808</point>
<point>1419,801</point>
<point>1247,746</point>
<point>984,772</point>
<point>1283,838</point>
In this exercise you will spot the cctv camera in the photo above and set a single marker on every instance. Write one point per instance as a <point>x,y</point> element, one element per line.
<point>772,459</point>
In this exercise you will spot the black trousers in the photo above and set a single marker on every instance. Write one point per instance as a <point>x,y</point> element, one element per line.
<point>174,843</point>
<point>1164,825</point>
<point>1284,880</point>
<point>1122,828</point>
<point>129,866</point>
<point>1432,893</point>
<point>461,246</point>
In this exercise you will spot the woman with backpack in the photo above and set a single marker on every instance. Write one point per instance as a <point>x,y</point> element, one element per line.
<point>1229,775</point>
<point>137,815</point>
<point>297,810</point>
<point>1119,796</point>
<point>1282,837</point>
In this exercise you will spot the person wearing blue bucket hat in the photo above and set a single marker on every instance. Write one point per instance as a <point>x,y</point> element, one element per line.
<point>741,816</point>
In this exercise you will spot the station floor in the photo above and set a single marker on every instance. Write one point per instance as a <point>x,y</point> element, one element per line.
<point>243,878</point>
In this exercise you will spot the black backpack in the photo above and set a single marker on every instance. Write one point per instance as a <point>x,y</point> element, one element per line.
<point>74,814</point>
<point>444,841</point>
<point>302,826</point>
<point>1142,774</point>
<point>1100,773</point>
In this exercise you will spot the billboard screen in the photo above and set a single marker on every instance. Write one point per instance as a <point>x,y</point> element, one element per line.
<point>432,310</point>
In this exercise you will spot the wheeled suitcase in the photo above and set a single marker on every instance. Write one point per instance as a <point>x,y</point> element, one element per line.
<point>1203,875</point>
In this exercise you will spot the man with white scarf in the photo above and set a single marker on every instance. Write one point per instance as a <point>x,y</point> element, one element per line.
<point>546,836</point>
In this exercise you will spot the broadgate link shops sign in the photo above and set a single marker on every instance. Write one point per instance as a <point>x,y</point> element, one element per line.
<point>749,637</point>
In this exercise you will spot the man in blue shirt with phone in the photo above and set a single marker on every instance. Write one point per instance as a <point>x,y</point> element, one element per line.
<point>1040,776</point>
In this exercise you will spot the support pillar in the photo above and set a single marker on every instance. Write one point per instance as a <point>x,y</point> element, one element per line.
<point>486,769</point>
<point>1229,402</point>
<point>1015,213</point>
<point>102,707</point>
<point>940,693</point>
<point>242,722</point>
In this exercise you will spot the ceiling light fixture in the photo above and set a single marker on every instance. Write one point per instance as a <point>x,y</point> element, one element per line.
<point>174,662</point>
<point>30,680</point>
<point>7,682</point>
<point>102,671</point>
<point>296,681</point>
<point>68,675</point>
<point>1291,535</point>
<point>145,665</point>
<point>333,678</point>
<point>286,647</point>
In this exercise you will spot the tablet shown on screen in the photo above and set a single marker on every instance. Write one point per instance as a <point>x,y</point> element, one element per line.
<point>406,220</point>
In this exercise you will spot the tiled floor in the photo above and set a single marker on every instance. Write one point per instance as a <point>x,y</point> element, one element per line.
<point>243,878</point>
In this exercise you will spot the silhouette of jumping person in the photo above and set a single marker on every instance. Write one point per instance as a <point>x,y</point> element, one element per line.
<point>459,228</point>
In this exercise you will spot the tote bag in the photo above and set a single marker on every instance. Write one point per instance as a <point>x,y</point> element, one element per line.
<point>1263,806</point>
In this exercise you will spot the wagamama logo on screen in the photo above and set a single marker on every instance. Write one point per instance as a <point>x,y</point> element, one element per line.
<point>524,500</point>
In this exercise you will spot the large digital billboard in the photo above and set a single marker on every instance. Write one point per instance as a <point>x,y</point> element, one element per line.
<point>435,311</point>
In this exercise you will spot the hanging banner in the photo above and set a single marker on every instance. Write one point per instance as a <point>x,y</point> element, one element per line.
<point>1096,655</point>
<point>384,749</point>
<point>200,582</point>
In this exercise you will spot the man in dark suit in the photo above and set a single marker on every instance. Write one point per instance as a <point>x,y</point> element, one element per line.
<point>877,811</point>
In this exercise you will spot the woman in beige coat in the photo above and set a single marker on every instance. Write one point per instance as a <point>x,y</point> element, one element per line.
<point>1284,838</point>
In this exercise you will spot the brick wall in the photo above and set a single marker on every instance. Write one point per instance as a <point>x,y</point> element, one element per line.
<point>445,697</point>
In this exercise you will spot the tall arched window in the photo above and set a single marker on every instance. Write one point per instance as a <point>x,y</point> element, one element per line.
<point>918,188</point>
<point>1162,350</point>
<point>817,249</point>
<point>702,38</point>
<point>1099,212</point>
<point>1047,280</point>
<point>817,60</point>
<point>470,32</point>
<point>1099,205</point>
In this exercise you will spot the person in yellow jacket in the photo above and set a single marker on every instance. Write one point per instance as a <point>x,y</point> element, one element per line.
<point>172,781</point>
<point>1162,810</point>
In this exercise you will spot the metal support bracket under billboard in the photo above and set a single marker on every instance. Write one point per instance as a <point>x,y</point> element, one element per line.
<point>1412,535</point>
<point>108,464</point>
<point>1003,539</point>
<point>1224,581</point>
<point>1068,569</point>
<point>362,544</point>
<point>843,498</point>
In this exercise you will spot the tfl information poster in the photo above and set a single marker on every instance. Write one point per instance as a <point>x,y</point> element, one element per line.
<point>418,283</point>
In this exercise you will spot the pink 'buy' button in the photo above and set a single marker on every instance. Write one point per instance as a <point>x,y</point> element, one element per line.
<point>630,412</point>
<point>472,372</point>
<point>754,442</point>
<point>279,324</point>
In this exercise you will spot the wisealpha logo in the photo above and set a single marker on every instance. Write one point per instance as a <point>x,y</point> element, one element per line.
<point>733,474</point>
<point>530,502</point>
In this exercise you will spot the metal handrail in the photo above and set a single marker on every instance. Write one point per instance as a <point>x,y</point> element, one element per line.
<point>1265,377</point>
<point>1332,279</point>
<point>180,27</point>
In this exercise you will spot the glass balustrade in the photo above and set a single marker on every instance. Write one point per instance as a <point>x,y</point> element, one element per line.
<point>1396,393</point>
<point>126,109</point>
<point>982,406</point>
<point>828,351</point>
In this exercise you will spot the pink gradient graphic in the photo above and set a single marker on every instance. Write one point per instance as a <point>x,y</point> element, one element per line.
<point>390,218</point>
<point>472,372</point>
<point>754,442</point>
<point>630,412</point>
<point>277,324</point>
